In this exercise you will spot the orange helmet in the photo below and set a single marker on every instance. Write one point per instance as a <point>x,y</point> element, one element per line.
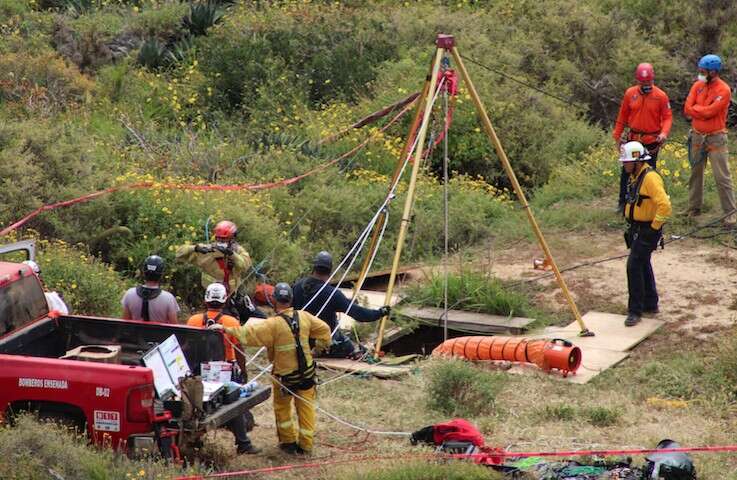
<point>225,229</point>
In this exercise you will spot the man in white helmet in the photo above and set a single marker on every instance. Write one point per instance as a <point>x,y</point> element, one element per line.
<point>53,299</point>
<point>215,297</point>
<point>647,207</point>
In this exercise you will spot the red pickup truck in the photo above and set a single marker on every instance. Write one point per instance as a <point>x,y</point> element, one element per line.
<point>115,403</point>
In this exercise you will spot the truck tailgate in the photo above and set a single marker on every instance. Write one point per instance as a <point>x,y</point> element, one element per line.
<point>228,412</point>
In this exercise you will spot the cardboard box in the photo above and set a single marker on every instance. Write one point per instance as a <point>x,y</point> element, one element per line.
<point>216,371</point>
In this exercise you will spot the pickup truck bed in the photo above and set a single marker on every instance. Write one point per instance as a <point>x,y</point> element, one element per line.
<point>104,397</point>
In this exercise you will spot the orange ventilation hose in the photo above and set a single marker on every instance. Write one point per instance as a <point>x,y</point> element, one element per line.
<point>556,354</point>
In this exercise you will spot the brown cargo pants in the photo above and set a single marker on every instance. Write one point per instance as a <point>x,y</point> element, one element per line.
<point>713,146</point>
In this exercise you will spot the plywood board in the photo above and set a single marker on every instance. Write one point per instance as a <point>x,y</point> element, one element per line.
<point>595,361</point>
<point>470,322</point>
<point>371,298</point>
<point>353,366</point>
<point>610,332</point>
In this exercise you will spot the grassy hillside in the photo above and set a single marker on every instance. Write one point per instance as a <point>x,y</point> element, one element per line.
<point>108,93</point>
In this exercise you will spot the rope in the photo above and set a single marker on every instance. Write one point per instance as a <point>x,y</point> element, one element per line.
<point>674,238</point>
<point>490,457</point>
<point>445,219</point>
<point>253,187</point>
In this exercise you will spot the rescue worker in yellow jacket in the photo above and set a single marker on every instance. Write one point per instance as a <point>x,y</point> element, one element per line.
<point>224,261</point>
<point>286,337</point>
<point>647,207</point>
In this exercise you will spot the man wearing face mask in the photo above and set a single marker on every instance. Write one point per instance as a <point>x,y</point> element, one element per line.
<point>645,112</point>
<point>226,262</point>
<point>706,106</point>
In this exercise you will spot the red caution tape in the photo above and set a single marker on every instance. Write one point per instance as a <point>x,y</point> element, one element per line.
<point>491,456</point>
<point>253,187</point>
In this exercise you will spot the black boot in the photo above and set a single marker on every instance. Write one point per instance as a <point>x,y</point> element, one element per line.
<point>632,320</point>
<point>290,448</point>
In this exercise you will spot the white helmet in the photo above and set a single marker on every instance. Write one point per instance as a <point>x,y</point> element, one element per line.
<point>633,152</point>
<point>34,266</point>
<point>216,293</point>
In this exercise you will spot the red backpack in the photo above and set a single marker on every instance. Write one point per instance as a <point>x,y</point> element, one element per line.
<point>457,430</point>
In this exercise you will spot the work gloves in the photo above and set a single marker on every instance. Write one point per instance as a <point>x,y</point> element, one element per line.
<point>385,310</point>
<point>200,248</point>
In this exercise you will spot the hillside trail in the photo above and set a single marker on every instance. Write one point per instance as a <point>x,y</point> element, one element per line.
<point>696,279</point>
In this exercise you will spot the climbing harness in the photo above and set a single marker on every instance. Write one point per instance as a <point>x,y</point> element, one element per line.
<point>146,294</point>
<point>304,377</point>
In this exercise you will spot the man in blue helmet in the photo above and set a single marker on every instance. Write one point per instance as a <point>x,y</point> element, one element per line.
<point>707,106</point>
<point>327,302</point>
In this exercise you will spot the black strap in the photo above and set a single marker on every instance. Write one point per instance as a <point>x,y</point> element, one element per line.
<point>216,319</point>
<point>146,294</point>
<point>634,197</point>
<point>302,368</point>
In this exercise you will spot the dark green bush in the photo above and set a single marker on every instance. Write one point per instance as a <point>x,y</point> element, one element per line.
<point>457,388</point>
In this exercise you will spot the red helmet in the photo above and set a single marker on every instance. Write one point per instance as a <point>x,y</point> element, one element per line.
<point>644,73</point>
<point>225,229</point>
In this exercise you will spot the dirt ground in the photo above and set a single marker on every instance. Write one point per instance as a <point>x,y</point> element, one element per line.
<point>696,279</point>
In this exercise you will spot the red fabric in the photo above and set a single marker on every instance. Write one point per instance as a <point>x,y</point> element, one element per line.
<point>457,430</point>
<point>707,105</point>
<point>648,113</point>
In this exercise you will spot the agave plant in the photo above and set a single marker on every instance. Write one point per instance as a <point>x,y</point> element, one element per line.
<point>202,16</point>
<point>153,54</point>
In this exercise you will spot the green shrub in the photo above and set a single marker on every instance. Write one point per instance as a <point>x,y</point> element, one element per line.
<point>89,287</point>
<point>458,388</point>
<point>560,412</point>
<point>601,416</point>
<point>470,291</point>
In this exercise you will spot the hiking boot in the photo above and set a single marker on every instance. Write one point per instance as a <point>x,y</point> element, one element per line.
<point>632,320</point>
<point>290,448</point>
<point>301,451</point>
<point>692,213</point>
<point>248,450</point>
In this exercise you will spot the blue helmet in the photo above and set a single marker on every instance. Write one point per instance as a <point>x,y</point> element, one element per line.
<point>710,62</point>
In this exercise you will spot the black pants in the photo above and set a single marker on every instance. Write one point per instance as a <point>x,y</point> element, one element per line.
<point>340,347</point>
<point>239,427</point>
<point>624,177</point>
<point>643,294</point>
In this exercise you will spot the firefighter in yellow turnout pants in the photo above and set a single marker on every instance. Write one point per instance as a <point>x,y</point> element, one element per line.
<point>286,337</point>
<point>647,207</point>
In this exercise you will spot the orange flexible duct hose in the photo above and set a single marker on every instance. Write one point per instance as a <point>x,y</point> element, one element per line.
<point>555,354</point>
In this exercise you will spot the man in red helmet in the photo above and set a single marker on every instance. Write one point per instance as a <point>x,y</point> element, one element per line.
<point>223,261</point>
<point>646,113</point>
<point>226,262</point>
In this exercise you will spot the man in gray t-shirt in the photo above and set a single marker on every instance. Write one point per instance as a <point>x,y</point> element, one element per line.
<point>148,302</point>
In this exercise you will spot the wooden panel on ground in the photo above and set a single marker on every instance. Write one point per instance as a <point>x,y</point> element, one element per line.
<point>363,368</point>
<point>470,322</point>
<point>610,332</point>
<point>610,345</point>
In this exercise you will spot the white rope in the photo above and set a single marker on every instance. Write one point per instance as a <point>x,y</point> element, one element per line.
<point>265,371</point>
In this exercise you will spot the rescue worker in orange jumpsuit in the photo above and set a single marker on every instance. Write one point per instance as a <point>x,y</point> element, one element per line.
<point>707,105</point>
<point>286,337</point>
<point>214,318</point>
<point>647,207</point>
<point>645,112</point>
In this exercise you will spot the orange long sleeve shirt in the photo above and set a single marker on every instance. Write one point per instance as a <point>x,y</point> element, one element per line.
<point>647,113</point>
<point>707,105</point>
